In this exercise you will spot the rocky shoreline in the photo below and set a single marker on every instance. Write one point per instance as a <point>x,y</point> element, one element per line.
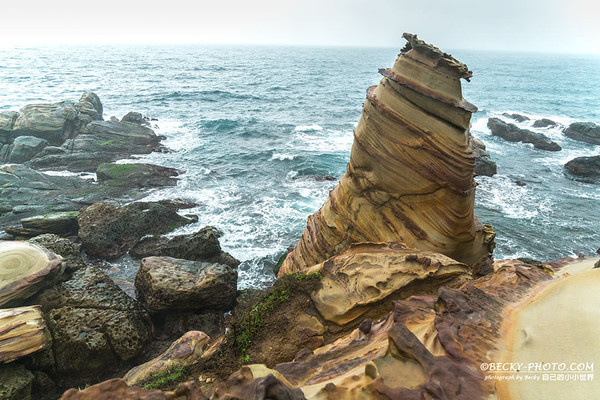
<point>391,293</point>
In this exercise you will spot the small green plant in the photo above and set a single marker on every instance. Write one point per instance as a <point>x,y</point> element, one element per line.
<point>252,321</point>
<point>165,378</point>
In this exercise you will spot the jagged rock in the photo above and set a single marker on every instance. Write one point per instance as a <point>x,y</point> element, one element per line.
<point>22,332</point>
<point>166,283</point>
<point>586,167</point>
<point>15,382</point>
<point>7,121</point>
<point>517,117</point>
<point>99,142</point>
<point>136,118</point>
<point>94,324</point>
<point>483,162</point>
<point>24,148</point>
<point>53,122</point>
<point>90,107</point>
<point>117,389</point>
<point>27,269</point>
<point>184,352</point>
<point>259,383</point>
<point>512,133</point>
<point>543,123</point>
<point>69,251</point>
<point>60,223</point>
<point>136,175</point>
<point>361,278</point>
<point>108,231</point>
<point>588,132</point>
<point>199,246</point>
<point>411,169</point>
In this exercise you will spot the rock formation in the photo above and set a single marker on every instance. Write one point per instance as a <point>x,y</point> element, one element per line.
<point>585,167</point>
<point>410,175</point>
<point>22,331</point>
<point>25,269</point>
<point>513,133</point>
<point>587,132</point>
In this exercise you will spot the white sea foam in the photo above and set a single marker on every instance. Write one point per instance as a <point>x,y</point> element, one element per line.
<point>281,156</point>
<point>308,128</point>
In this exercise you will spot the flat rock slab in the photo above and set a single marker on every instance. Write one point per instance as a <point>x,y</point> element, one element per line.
<point>61,223</point>
<point>136,175</point>
<point>166,283</point>
<point>25,269</point>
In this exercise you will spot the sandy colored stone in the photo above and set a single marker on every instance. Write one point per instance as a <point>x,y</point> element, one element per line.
<point>368,273</point>
<point>22,332</point>
<point>25,268</point>
<point>410,175</point>
<point>183,352</point>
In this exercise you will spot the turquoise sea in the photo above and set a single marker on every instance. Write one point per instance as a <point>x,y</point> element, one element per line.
<point>257,130</point>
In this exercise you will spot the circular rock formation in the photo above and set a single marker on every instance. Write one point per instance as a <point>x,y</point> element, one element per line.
<point>26,268</point>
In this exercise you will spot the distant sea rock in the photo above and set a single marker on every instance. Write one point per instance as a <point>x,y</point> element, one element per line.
<point>544,123</point>
<point>484,165</point>
<point>585,167</point>
<point>587,132</point>
<point>513,133</point>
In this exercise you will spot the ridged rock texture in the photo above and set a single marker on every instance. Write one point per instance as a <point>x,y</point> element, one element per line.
<point>22,331</point>
<point>25,268</point>
<point>410,175</point>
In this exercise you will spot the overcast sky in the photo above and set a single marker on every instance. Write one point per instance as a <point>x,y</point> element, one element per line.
<point>527,25</point>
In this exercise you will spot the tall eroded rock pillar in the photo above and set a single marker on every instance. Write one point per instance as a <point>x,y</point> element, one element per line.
<point>410,175</point>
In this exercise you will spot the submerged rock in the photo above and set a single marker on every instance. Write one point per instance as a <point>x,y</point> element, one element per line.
<point>585,167</point>
<point>484,165</point>
<point>166,283</point>
<point>27,268</point>
<point>587,132</point>
<point>136,175</point>
<point>512,133</point>
<point>543,123</point>
<point>410,175</point>
<point>108,230</point>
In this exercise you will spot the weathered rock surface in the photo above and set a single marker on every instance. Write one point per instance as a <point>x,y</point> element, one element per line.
<point>94,324</point>
<point>513,133</point>
<point>136,118</point>
<point>22,332</point>
<point>69,251</point>
<point>166,283</point>
<point>61,223</point>
<point>199,246</point>
<point>587,132</point>
<point>410,175</point>
<point>52,122</point>
<point>15,382</point>
<point>118,389</point>
<point>26,268</point>
<point>586,167</point>
<point>7,121</point>
<point>484,165</point>
<point>257,382</point>
<point>136,175</point>
<point>184,352</point>
<point>543,123</point>
<point>108,230</point>
<point>24,148</point>
<point>357,280</point>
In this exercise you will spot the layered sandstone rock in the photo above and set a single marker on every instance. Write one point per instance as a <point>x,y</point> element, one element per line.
<point>410,175</point>
<point>22,332</point>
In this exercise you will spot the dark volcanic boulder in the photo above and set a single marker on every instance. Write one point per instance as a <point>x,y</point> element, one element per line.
<point>588,132</point>
<point>587,167</point>
<point>199,246</point>
<point>68,250</point>
<point>483,162</point>
<point>15,382</point>
<point>543,123</point>
<point>166,283</point>
<point>136,175</point>
<point>94,324</point>
<point>512,133</point>
<point>108,230</point>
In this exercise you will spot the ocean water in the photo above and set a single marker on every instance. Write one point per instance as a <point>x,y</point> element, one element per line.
<point>257,128</point>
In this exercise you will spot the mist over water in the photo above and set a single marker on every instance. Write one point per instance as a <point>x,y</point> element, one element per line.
<point>260,131</point>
